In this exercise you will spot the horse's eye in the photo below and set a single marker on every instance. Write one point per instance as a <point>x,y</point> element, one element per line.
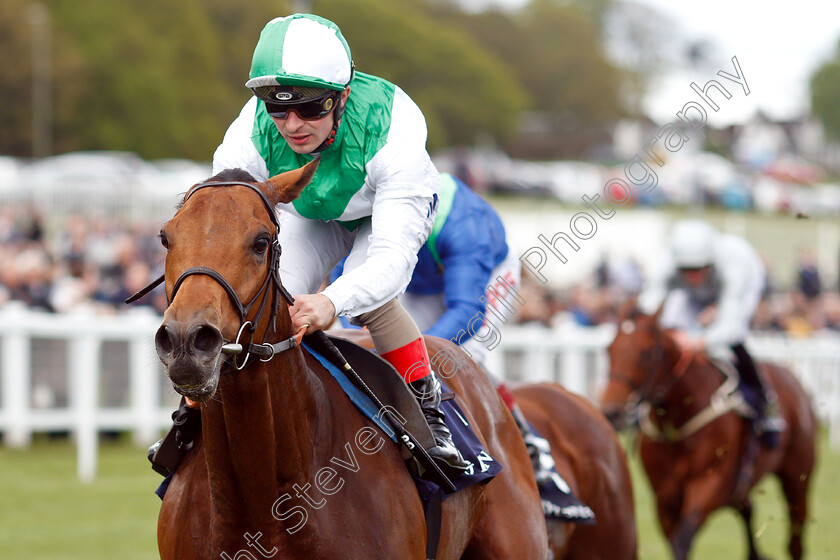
<point>261,245</point>
<point>164,241</point>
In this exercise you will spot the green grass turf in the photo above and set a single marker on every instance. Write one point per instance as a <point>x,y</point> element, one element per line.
<point>46,513</point>
<point>722,537</point>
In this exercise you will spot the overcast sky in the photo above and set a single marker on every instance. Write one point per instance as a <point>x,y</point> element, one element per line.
<point>778,50</point>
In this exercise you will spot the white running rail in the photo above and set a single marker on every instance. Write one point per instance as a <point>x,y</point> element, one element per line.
<point>87,374</point>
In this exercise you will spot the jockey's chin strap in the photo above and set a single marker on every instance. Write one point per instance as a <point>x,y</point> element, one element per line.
<point>265,351</point>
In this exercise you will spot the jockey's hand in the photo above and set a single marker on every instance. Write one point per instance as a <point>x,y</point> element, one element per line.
<point>688,343</point>
<point>707,316</point>
<point>314,311</point>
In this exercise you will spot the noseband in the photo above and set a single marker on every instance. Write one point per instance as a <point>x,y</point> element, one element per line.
<point>266,351</point>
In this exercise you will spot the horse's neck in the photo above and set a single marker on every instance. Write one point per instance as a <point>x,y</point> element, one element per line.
<point>258,434</point>
<point>691,391</point>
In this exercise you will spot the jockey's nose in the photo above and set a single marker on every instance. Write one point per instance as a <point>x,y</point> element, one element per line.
<point>293,121</point>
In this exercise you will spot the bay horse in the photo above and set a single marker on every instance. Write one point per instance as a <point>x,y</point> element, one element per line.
<point>284,461</point>
<point>698,453</point>
<point>590,458</point>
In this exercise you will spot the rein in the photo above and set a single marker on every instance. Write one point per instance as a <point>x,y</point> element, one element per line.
<point>265,351</point>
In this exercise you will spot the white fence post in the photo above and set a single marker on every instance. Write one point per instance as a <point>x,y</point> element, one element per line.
<point>16,367</point>
<point>145,389</point>
<point>84,378</point>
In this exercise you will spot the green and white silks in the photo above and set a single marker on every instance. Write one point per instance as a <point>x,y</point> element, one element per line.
<point>377,168</point>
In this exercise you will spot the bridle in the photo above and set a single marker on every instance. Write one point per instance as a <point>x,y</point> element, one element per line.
<point>652,390</point>
<point>272,284</point>
<point>724,400</point>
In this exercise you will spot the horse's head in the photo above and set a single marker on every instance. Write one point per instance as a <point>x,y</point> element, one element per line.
<point>221,278</point>
<point>637,365</point>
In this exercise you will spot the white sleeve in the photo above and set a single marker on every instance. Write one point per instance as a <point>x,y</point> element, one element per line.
<point>742,276</point>
<point>237,149</point>
<point>406,184</point>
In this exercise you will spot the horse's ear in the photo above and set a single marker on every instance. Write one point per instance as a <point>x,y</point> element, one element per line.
<point>658,312</point>
<point>287,186</point>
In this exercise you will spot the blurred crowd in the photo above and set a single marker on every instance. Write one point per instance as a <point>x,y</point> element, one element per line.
<point>90,265</point>
<point>798,312</point>
<point>87,265</point>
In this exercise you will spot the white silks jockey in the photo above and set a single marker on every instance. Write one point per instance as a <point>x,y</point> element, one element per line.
<point>711,284</point>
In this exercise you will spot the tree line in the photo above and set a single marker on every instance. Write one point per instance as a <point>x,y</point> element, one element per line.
<point>164,79</point>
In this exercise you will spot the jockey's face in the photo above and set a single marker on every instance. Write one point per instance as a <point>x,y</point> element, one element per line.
<point>304,136</point>
<point>695,276</point>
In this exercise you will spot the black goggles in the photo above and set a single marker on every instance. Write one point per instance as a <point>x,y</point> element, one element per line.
<point>311,110</point>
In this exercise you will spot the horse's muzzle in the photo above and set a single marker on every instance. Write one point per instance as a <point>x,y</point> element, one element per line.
<point>615,416</point>
<point>192,357</point>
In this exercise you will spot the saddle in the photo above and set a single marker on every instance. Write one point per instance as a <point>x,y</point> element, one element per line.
<point>744,399</point>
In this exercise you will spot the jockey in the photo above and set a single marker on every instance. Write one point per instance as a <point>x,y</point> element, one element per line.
<point>374,194</point>
<point>711,284</point>
<point>466,277</point>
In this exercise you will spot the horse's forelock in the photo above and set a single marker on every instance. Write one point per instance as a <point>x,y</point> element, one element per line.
<point>225,176</point>
<point>228,175</point>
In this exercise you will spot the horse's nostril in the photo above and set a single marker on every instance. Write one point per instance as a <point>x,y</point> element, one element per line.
<point>207,339</point>
<point>613,416</point>
<point>164,340</point>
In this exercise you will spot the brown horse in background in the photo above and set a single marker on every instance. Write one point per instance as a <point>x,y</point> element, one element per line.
<point>698,453</point>
<point>589,456</point>
<point>285,462</point>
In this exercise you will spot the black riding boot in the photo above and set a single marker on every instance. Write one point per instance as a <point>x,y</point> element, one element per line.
<point>767,422</point>
<point>539,450</point>
<point>427,392</point>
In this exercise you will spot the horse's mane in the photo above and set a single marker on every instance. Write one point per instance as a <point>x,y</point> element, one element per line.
<point>235,174</point>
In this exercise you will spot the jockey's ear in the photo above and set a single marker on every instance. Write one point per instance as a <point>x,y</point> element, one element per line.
<point>287,186</point>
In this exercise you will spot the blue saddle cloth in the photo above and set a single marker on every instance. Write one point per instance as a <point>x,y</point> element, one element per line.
<point>482,466</point>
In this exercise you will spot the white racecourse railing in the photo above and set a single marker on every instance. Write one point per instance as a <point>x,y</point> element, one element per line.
<point>88,374</point>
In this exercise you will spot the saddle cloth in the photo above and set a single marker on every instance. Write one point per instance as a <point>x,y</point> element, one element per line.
<point>559,501</point>
<point>482,466</point>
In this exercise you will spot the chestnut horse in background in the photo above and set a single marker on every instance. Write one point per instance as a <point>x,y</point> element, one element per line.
<point>589,456</point>
<point>698,453</point>
<point>285,462</point>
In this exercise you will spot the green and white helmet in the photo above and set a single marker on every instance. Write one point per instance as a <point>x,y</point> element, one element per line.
<point>302,50</point>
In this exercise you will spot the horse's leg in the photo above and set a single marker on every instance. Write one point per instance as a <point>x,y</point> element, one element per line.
<point>701,496</point>
<point>795,489</point>
<point>745,509</point>
<point>669,519</point>
<point>682,535</point>
<point>797,464</point>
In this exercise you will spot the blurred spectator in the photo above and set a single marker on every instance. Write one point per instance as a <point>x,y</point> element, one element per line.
<point>808,276</point>
<point>538,306</point>
<point>831,305</point>
<point>32,280</point>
